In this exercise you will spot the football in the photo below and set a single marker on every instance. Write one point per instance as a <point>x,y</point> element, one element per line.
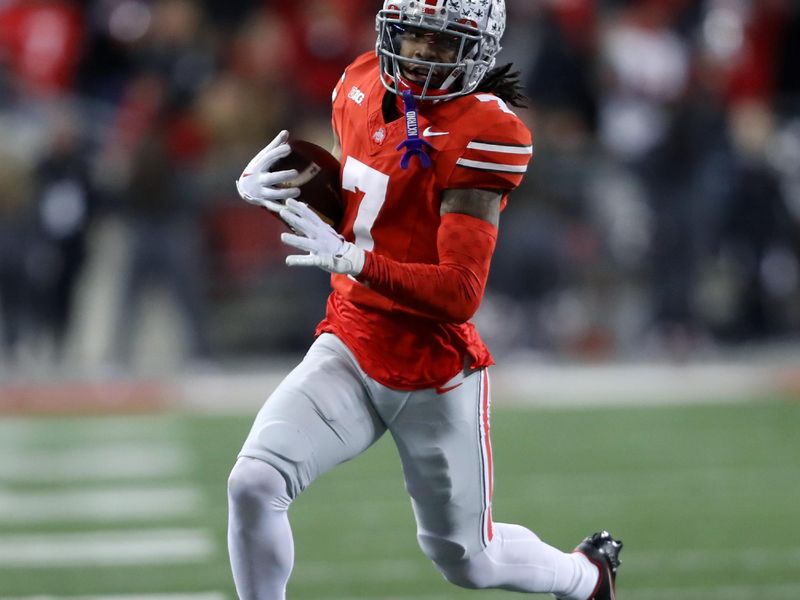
<point>318,179</point>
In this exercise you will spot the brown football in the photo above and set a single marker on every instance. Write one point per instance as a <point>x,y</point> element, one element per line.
<point>318,179</point>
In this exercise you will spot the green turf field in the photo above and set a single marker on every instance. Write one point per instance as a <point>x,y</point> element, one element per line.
<point>706,499</point>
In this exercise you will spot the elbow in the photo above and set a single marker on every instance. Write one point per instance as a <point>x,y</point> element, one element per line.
<point>462,311</point>
<point>467,314</point>
<point>460,319</point>
<point>465,300</point>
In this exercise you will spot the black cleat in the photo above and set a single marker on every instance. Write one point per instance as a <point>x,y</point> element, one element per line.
<point>603,551</point>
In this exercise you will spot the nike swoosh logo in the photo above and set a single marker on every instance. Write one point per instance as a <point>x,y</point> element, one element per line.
<point>246,175</point>
<point>429,133</point>
<point>444,390</point>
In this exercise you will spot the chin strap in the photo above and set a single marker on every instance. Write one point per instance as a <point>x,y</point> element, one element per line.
<point>413,144</point>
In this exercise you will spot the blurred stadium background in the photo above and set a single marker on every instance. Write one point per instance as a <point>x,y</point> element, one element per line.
<point>644,303</point>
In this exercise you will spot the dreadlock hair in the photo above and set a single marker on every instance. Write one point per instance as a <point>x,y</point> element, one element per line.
<point>505,84</point>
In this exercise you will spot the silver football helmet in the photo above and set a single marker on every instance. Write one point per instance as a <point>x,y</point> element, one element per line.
<point>470,29</point>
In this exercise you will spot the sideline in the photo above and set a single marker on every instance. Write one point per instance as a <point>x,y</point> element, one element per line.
<point>551,386</point>
<point>520,383</point>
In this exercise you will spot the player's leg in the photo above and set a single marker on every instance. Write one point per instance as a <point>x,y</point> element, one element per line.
<point>318,417</point>
<point>260,542</point>
<point>445,449</point>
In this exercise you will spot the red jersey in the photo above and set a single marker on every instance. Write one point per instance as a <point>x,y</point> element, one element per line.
<point>477,143</point>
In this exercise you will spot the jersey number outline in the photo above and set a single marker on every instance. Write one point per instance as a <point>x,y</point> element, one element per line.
<point>500,102</point>
<point>358,176</point>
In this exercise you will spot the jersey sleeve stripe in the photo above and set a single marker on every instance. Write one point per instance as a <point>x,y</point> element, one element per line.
<point>502,148</point>
<point>491,166</point>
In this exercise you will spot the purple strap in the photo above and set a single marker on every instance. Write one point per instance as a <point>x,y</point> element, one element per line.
<point>413,144</point>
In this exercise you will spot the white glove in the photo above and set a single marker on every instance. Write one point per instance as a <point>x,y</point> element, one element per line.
<point>326,249</point>
<point>257,184</point>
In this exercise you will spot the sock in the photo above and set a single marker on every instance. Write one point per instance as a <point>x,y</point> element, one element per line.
<point>260,542</point>
<point>587,581</point>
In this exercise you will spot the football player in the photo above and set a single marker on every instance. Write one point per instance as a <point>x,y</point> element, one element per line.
<point>430,151</point>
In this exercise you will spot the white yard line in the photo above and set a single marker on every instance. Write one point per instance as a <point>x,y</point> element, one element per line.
<point>576,386</point>
<point>98,505</point>
<point>185,596</point>
<point>47,432</point>
<point>94,462</point>
<point>527,381</point>
<point>112,548</point>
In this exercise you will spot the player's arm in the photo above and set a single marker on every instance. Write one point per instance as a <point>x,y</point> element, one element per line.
<point>449,291</point>
<point>477,178</point>
<point>481,204</point>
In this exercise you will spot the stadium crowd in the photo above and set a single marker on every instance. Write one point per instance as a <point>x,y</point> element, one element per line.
<point>661,214</point>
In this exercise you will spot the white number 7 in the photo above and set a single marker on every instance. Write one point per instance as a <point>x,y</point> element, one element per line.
<point>490,98</point>
<point>358,176</point>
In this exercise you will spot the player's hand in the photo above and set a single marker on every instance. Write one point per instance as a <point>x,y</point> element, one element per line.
<point>326,249</point>
<point>257,183</point>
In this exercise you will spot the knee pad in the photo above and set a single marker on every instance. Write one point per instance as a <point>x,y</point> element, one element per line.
<point>285,447</point>
<point>441,550</point>
<point>252,482</point>
<point>472,572</point>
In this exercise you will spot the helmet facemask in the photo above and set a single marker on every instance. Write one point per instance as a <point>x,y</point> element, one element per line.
<point>470,50</point>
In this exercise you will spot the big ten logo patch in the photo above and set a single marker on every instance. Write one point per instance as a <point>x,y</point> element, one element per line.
<point>356,95</point>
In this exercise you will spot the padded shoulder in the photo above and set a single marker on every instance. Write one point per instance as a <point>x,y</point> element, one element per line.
<point>363,65</point>
<point>492,147</point>
<point>487,116</point>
